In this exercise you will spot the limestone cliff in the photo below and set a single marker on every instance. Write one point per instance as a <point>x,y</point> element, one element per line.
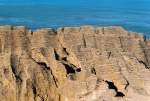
<point>73,64</point>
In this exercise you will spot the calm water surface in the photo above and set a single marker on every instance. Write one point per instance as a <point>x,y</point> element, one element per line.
<point>133,15</point>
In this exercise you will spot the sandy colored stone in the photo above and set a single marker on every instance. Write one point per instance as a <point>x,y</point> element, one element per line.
<point>74,64</point>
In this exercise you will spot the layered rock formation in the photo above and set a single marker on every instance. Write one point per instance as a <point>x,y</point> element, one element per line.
<point>74,64</point>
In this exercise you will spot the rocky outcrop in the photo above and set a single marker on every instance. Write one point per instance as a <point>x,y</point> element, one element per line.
<point>74,64</point>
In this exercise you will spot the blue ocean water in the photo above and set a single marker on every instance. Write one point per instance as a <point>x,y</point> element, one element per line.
<point>133,15</point>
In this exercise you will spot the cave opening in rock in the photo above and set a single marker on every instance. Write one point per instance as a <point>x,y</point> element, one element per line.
<point>120,94</point>
<point>78,69</point>
<point>69,68</point>
<point>112,86</point>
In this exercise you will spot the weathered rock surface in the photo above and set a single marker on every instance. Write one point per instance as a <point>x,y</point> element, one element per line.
<point>74,64</point>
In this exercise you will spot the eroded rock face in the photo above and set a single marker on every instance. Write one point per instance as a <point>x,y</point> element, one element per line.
<point>74,64</point>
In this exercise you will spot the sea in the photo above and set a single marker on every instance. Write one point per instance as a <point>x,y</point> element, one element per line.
<point>133,15</point>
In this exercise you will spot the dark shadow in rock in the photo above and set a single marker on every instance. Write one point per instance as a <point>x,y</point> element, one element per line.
<point>112,86</point>
<point>44,65</point>
<point>43,51</point>
<point>6,71</point>
<point>71,76</point>
<point>109,55</point>
<point>65,50</point>
<point>142,62</point>
<point>57,57</point>
<point>46,70</point>
<point>84,42</point>
<point>69,68</point>
<point>119,94</point>
<point>146,54</point>
<point>93,71</point>
<point>64,58</point>
<point>78,69</point>
<point>14,69</point>
<point>34,89</point>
